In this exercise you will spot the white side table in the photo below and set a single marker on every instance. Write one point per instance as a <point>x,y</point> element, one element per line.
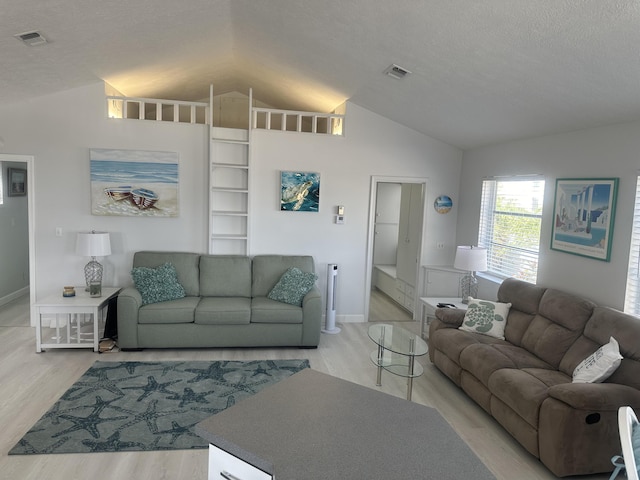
<point>428,307</point>
<point>70,327</point>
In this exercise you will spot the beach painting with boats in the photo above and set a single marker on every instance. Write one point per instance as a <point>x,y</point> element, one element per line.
<point>584,213</point>
<point>134,182</point>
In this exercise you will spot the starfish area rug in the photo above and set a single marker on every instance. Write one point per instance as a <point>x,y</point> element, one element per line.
<point>138,406</point>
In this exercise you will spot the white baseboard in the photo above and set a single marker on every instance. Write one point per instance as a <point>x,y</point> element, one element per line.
<point>345,319</point>
<point>12,296</point>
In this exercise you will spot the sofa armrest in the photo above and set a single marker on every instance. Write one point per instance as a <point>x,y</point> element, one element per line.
<point>450,317</point>
<point>129,302</point>
<point>311,318</point>
<point>596,396</point>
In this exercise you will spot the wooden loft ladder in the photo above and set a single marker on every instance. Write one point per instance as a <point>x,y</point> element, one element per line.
<point>229,166</point>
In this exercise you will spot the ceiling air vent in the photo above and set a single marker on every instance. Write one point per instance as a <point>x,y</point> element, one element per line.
<point>396,71</point>
<point>33,39</point>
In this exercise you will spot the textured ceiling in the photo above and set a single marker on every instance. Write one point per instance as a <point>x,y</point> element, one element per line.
<point>483,71</point>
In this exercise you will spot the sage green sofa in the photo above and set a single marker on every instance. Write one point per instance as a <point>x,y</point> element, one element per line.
<point>226,305</point>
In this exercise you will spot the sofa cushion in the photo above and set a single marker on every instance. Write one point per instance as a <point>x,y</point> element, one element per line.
<point>482,360</point>
<point>559,323</point>
<point>293,286</point>
<point>267,270</point>
<point>453,342</point>
<point>524,390</point>
<point>524,297</point>
<point>265,310</point>
<point>486,318</point>
<point>599,366</point>
<point>225,276</point>
<point>157,284</point>
<point>174,311</point>
<point>186,265</point>
<point>223,311</point>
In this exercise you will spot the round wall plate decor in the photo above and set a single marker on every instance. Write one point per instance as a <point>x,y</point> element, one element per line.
<point>443,204</point>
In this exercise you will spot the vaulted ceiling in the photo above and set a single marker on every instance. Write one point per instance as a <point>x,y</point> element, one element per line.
<point>483,71</point>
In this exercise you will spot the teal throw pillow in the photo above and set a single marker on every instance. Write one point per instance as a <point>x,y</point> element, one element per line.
<point>293,286</point>
<point>157,284</point>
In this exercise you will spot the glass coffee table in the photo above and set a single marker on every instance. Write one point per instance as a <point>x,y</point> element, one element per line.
<point>396,353</point>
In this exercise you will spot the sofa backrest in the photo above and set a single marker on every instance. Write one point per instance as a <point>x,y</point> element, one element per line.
<point>606,323</point>
<point>186,265</point>
<point>525,300</point>
<point>552,330</point>
<point>267,270</point>
<point>225,276</point>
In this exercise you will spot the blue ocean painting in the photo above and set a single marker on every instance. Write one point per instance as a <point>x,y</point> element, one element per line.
<point>134,182</point>
<point>133,172</point>
<point>300,192</point>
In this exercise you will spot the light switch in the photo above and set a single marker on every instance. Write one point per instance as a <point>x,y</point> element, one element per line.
<point>58,231</point>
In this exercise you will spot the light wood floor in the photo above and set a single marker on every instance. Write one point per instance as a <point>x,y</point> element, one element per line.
<point>31,382</point>
<point>383,309</point>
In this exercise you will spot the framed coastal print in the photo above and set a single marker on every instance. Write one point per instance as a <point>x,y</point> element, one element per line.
<point>16,182</point>
<point>138,183</point>
<point>299,191</point>
<point>583,216</point>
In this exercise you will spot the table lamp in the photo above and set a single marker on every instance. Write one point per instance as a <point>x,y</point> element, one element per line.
<point>93,244</point>
<point>472,259</point>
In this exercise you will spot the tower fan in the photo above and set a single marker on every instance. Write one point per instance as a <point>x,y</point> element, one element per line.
<point>330,320</point>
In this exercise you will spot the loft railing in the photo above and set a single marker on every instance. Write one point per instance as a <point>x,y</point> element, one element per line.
<point>155,109</point>
<point>200,112</point>
<point>295,121</point>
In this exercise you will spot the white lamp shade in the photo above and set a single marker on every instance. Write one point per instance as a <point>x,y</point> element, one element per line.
<point>471,259</point>
<point>93,244</point>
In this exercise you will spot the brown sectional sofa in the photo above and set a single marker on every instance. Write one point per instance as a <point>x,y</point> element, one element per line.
<point>525,381</point>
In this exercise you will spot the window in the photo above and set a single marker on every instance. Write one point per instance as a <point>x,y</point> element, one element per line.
<point>510,219</point>
<point>632,295</point>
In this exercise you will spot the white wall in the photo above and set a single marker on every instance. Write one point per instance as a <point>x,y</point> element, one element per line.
<point>14,238</point>
<point>612,151</point>
<point>372,145</point>
<point>59,129</point>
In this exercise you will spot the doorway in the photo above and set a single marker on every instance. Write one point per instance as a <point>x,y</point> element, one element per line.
<point>394,248</point>
<point>24,162</point>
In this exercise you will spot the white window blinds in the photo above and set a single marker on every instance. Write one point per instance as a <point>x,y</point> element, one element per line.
<point>510,220</point>
<point>632,295</point>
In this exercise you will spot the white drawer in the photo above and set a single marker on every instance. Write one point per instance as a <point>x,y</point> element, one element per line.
<point>408,303</point>
<point>410,292</point>
<point>385,283</point>
<point>400,285</point>
<point>224,466</point>
<point>398,296</point>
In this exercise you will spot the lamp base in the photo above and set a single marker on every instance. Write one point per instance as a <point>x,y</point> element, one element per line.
<point>468,287</point>
<point>92,273</point>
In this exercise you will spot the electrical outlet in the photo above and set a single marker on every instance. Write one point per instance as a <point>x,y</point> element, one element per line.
<point>440,245</point>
